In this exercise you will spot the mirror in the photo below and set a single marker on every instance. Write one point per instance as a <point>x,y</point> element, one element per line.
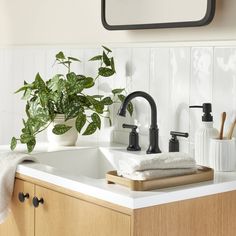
<point>150,14</point>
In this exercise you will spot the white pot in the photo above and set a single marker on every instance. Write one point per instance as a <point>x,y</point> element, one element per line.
<point>67,139</point>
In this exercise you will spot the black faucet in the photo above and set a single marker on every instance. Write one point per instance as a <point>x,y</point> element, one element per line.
<point>153,130</point>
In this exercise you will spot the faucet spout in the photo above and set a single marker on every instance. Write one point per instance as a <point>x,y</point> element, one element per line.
<point>153,131</point>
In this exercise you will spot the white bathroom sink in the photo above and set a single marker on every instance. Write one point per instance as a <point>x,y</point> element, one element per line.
<point>89,162</point>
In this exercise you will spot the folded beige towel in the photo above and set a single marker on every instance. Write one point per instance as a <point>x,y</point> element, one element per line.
<point>8,165</point>
<point>157,173</point>
<point>170,160</point>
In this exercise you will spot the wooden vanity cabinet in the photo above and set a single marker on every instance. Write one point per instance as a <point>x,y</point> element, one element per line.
<point>67,213</point>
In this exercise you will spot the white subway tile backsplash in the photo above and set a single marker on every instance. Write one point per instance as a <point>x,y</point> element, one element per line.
<point>175,77</point>
<point>179,89</point>
<point>224,85</point>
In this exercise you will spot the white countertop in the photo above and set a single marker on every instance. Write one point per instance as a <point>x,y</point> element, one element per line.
<point>98,188</point>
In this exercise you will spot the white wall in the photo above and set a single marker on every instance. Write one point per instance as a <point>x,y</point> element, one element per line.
<point>79,21</point>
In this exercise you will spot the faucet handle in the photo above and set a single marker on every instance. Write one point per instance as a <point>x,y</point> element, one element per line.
<point>133,138</point>
<point>174,142</point>
<point>133,127</point>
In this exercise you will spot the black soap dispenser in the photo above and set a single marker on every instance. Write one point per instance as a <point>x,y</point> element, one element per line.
<point>133,138</point>
<point>174,142</point>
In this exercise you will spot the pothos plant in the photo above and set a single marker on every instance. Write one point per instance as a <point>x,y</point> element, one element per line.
<point>67,94</point>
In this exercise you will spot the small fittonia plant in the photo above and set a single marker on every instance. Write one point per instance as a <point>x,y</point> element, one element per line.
<point>67,94</point>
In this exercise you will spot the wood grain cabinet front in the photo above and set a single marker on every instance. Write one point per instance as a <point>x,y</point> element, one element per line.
<point>20,221</point>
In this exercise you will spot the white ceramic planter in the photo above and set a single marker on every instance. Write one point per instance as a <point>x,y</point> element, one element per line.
<point>67,139</point>
<point>223,154</point>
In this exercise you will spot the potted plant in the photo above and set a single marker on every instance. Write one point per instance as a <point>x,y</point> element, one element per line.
<point>63,106</point>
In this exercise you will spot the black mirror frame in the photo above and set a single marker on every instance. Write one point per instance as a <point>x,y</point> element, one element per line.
<point>210,13</point>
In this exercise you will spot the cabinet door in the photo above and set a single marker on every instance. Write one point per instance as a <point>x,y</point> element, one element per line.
<point>20,221</point>
<point>62,215</point>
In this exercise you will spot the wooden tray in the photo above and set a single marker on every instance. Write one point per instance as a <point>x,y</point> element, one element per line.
<point>203,174</point>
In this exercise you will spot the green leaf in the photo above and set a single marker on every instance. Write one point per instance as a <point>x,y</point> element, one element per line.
<point>96,58</point>
<point>71,77</point>
<point>72,110</point>
<point>39,83</point>
<point>88,82</point>
<point>96,119</point>
<point>60,56</point>
<point>27,107</point>
<point>98,96</point>
<point>113,64</point>
<point>91,128</point>
<point>31,144</point>
<point>13,143</point>
<point>130,108</point>
<point>43,98</point>
<point>81,77</point>
<point>25,138</point>
<point>106,59</point>
<point>63,102</point>
<point>74,59</point>
<point>107,101</point>
<point>105,72</point>
<point>80,121</point>
<point>53,83</point>
<point>84,101</point>
<point>61,129</point>
<point>107,49</point>
<point>121,97</point>
<point>61,86</point>
<point>74,85</point>
<point>98,105</point>
<point>26,86</point>
<point>27,94</point>
<point>117,91</point>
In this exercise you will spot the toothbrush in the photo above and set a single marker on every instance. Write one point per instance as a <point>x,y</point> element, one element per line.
<point>231,130</point>
<point>223,118</point>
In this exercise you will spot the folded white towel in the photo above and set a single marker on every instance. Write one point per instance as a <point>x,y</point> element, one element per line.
<point>156,174</point>
<point>8,165</point>
<point>171,160</point>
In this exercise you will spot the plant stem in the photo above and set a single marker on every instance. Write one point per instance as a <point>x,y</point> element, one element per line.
<point>43,129</point>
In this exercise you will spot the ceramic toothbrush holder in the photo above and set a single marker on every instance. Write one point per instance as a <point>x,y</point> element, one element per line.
<point>223,154</point>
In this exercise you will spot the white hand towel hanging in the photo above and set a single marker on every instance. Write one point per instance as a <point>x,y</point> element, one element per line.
<point>8,165</point>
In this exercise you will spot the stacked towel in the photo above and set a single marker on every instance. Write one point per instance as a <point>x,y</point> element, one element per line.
<point>8,165</point>
<point>153,166</point>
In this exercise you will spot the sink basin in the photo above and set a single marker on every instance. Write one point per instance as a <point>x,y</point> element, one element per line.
<point>89,162</point>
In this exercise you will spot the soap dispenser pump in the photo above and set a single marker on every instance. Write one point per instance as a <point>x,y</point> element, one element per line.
<point>204,134</point>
